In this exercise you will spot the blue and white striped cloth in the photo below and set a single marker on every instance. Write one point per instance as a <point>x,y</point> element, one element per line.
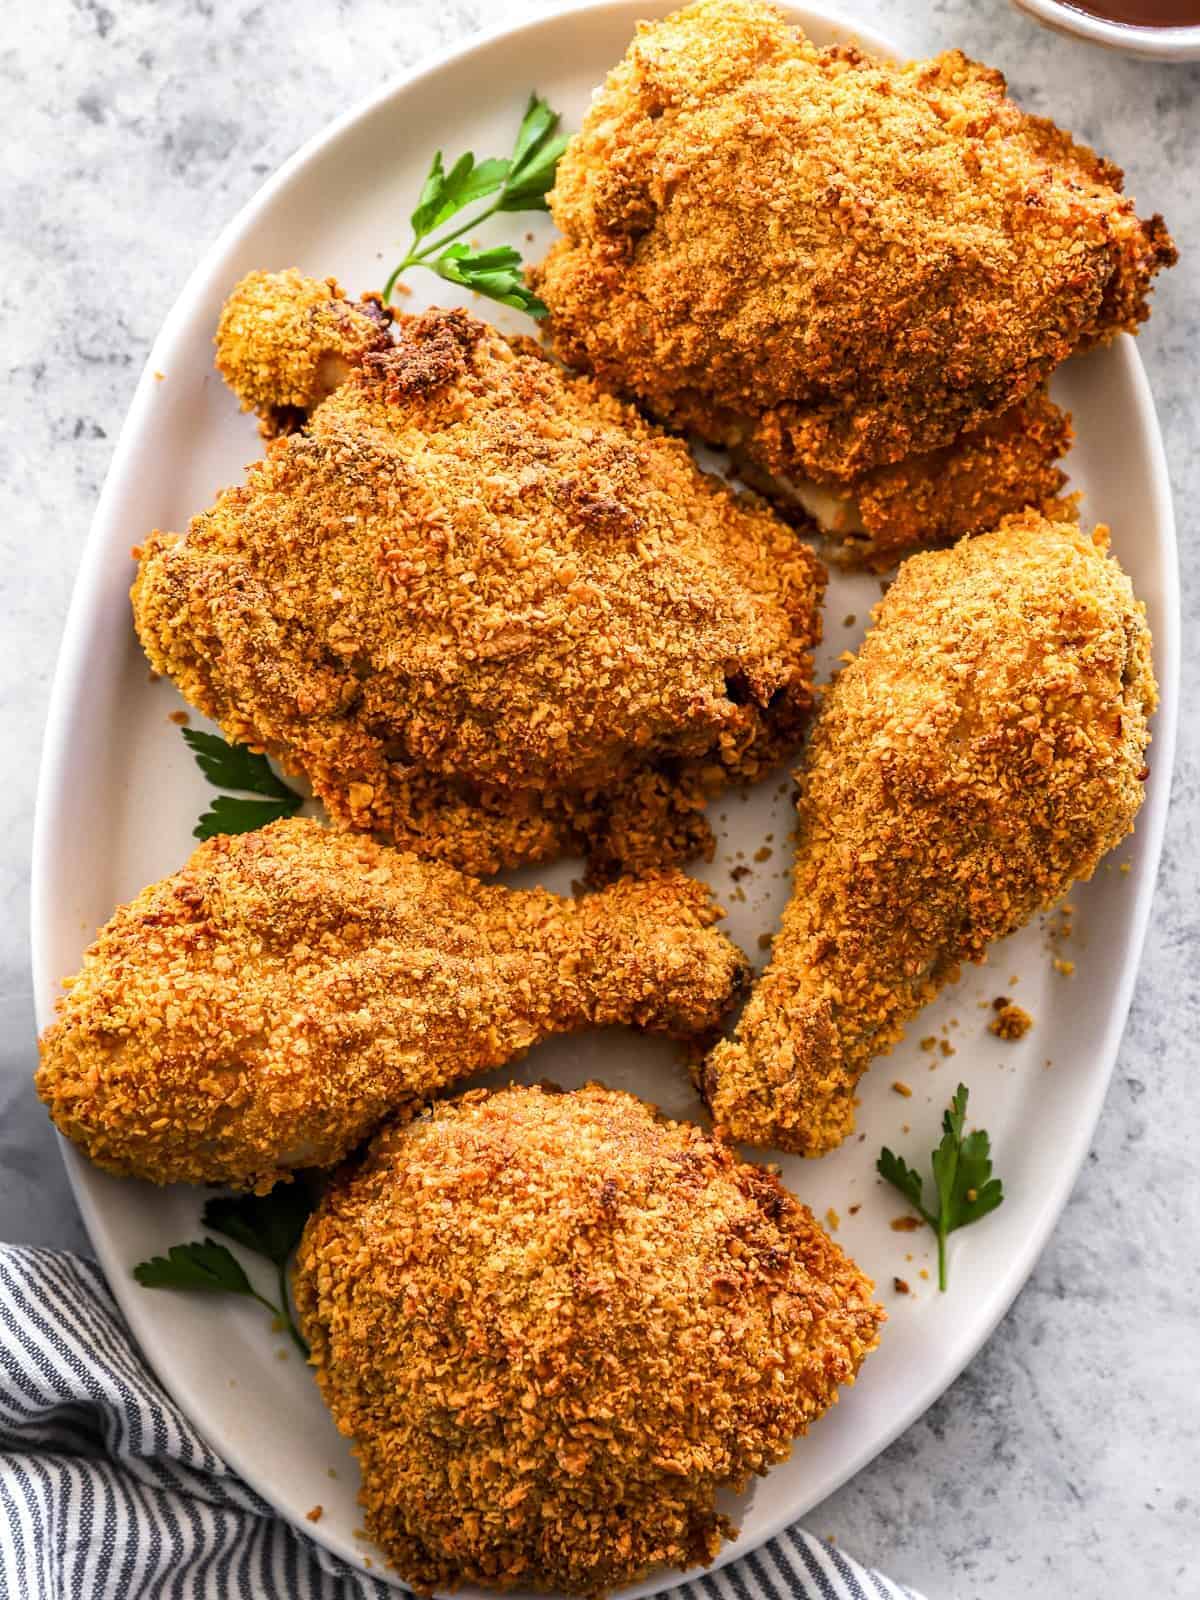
<point>108,1493</point>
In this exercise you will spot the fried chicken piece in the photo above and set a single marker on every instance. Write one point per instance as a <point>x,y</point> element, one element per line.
<point>267,1006</point>
<point>490,613</point>
<point>824,261</point>
<point>1006,465</point>
<point>1002,467</point>
<point>980,755</point>
<point>555,1325</point>
<point>286,342</point>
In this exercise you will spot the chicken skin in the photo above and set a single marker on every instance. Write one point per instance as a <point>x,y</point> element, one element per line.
<point>981,754</point>
<point>555,1325</point>
<point>488,612</point>
<point>828,263</point>
<point>267,1006</point>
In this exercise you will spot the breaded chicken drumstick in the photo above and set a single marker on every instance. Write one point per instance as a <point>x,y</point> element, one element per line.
<point>490,613</point>
<point>556,1325</point>
<point>286,342</point>
<point>268,1005</point>
<point>980,755</point>
<point>831,264</point>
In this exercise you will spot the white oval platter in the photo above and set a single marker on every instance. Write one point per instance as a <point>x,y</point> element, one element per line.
<point>119,795</point>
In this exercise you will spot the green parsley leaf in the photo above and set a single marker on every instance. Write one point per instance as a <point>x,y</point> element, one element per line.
<point>230,815</point>
<point>977,1192</point>
<point>534,159</point>
<point>901,1176</point>
<point>268,1224</point>
<point>430,197</point>
<point>962,1174</point>
<point>208,1266</point>
<point>538,123</point>
<point>520,183</point>
<point>495,273</point>
<point>233,766</point>
<point>444,193</point>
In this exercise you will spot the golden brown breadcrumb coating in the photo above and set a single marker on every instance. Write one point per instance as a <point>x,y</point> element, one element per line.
<point>490,613</point>
<point>286,342</point>
<point>827,261</point>
<point>555,1325</point>
<point>1004,466</point>
<point>266,1007</point>
<point>980,755</point>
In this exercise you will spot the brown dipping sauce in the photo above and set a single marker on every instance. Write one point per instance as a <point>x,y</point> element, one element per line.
<point>1143,13</point>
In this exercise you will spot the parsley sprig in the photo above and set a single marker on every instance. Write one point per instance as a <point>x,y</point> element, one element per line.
<point>270,1225</point>
<point>962,1175</point>
<point>233,766</point>
<point>519,183</point>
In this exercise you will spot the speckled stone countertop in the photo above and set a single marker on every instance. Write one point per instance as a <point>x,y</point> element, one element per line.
<point>1066,1459</point>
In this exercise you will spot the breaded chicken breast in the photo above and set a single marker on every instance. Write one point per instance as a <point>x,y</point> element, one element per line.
<point>555,1325</point>
<point>489,613</point>
<point>826,262</point>
<point>269,1004</point>
<point>981,754</point>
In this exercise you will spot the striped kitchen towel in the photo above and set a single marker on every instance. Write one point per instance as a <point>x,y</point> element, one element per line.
<point>107,1492</point>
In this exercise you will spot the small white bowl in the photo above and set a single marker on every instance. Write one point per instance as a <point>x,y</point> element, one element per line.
<point>1158,44</point>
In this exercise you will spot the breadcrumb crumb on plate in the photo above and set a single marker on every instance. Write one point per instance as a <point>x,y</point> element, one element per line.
<point>120,795</point>
<point>1010,1022</point>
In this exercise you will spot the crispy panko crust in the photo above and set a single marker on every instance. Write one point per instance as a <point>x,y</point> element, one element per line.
<point>490,613</point>
<point>980,755</point>
<point>827,261</point>
<point>267,1006</point>
<point>556,1324</point>
<point>1004,466</point>
<point>286,342</point>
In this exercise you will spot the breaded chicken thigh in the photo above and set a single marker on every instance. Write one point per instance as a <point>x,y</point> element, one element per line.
<point>1006,465</point>
<point>981,754</point>
<point>828,263</point>
<point>490,613</point>
<point>268,1005</point>
<point>556,1325</point>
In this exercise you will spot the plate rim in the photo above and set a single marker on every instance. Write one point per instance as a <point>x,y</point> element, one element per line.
<point>67,690</point>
